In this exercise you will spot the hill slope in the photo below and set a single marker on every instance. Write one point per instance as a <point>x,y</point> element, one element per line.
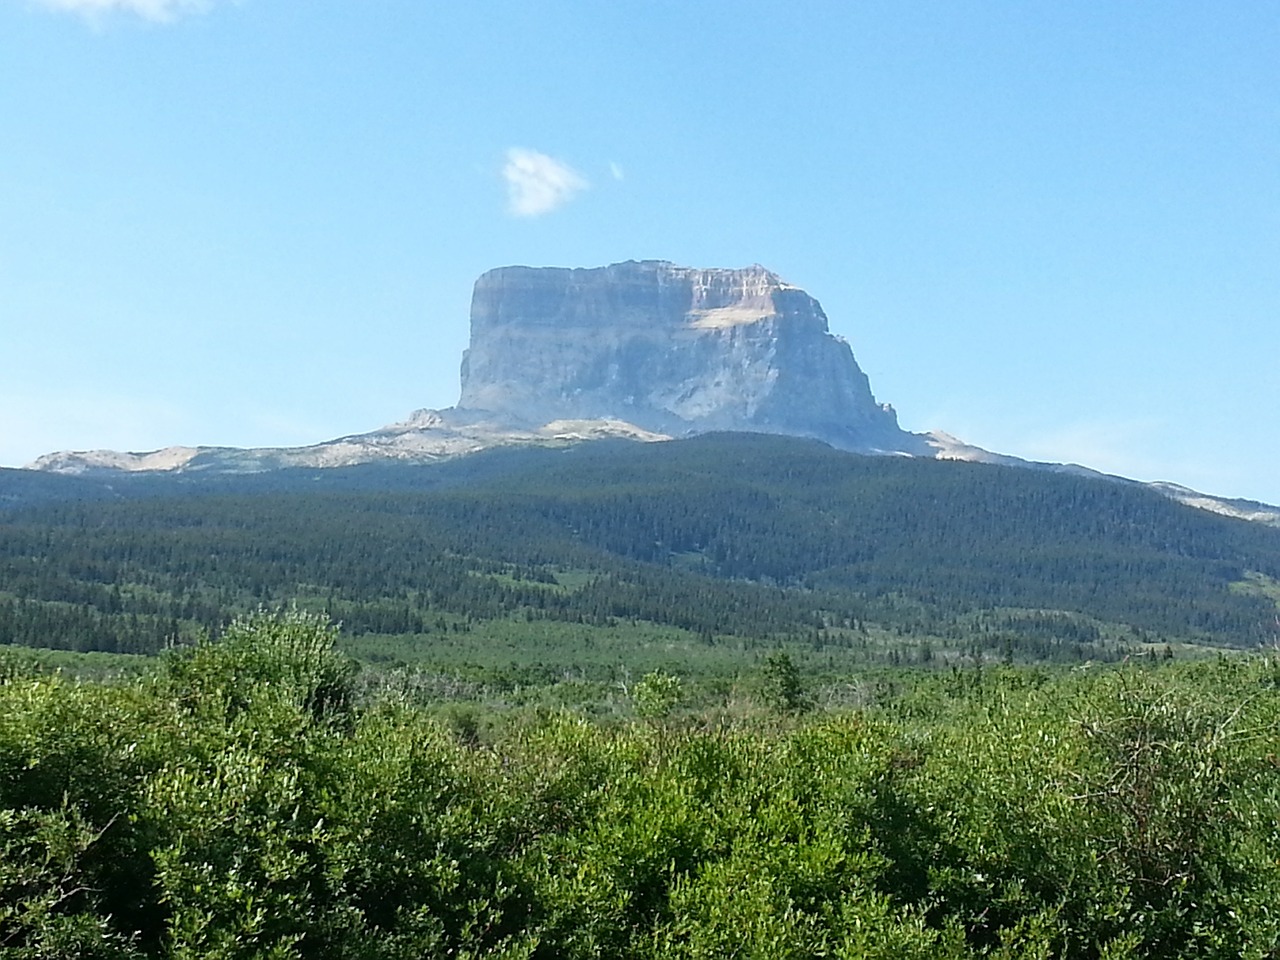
<point>731,535</point>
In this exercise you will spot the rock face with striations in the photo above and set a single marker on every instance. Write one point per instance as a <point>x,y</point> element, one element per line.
<point>671,349</point>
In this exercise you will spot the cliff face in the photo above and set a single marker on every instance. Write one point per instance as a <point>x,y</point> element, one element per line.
<point>671,349</point>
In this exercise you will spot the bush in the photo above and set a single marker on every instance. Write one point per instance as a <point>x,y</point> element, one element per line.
<point>286,656</point>
<point>239,806</point>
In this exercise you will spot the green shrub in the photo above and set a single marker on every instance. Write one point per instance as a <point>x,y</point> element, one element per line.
<point>287,656</point>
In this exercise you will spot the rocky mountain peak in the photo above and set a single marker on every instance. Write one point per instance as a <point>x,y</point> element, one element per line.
<point>671,349</point>
<point>643,350</point>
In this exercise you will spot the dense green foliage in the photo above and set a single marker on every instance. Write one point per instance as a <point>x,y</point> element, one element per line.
<point>634,701</point>
<point>762,539</point>
<point>244,801</point>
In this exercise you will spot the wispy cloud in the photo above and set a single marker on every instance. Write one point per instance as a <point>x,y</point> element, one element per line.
<point>1121,446</point>
<point>537,183</point>
<point>616,170</point>
<point>1140,448</point>
<point>158,10</point>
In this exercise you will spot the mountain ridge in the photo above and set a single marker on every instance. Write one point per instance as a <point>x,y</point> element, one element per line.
<point>641,350</point>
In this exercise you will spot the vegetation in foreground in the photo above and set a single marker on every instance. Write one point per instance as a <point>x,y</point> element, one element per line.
<point>245,800</point>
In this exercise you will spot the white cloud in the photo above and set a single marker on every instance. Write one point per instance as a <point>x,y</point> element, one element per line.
<point>616,170</point>
<point>159,10</point>
<point>537,183</point>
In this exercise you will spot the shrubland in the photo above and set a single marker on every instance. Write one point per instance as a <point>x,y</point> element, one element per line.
<point>255,796</point>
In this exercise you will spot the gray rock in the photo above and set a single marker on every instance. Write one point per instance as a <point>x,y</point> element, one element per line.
<point>673,350</point>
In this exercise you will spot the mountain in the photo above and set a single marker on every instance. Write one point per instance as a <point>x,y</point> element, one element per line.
<point>638,350</point>
<point>671,349</point>
<point>642,350</point>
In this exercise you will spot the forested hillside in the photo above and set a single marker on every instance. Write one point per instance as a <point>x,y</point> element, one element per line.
<point>763,539</point>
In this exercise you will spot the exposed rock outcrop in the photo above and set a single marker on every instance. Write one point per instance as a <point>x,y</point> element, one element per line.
<point>643,350</point>
<point>671,349</point>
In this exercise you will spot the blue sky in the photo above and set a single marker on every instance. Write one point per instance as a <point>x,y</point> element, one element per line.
<point>1050,229</point>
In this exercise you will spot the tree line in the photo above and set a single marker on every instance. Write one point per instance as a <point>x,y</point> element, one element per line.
<point>732,536</point>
